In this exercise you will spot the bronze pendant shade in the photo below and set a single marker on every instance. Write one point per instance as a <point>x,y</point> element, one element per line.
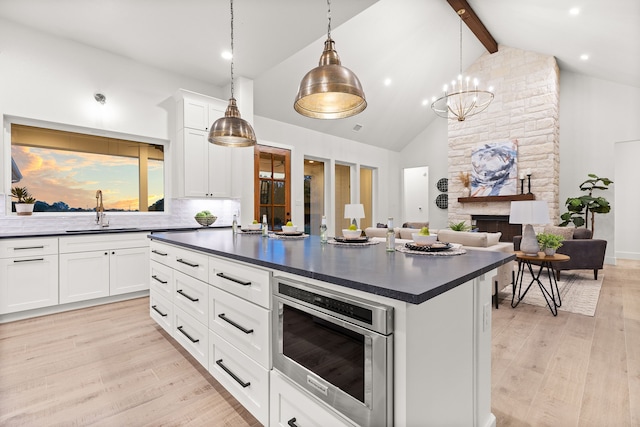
<point>231,130</point>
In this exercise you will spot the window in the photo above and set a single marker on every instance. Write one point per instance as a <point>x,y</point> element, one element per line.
<point>273,184</point>
<point>63,170</point>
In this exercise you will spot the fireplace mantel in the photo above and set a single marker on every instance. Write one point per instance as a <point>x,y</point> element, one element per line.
<point>484,199</point>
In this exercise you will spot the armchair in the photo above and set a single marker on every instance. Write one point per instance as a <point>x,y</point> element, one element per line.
<point>585,253</point>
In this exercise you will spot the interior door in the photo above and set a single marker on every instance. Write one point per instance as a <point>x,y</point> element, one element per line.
<point>273,185</point>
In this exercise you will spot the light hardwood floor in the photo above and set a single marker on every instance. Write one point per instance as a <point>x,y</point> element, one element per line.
<point>112,366</point>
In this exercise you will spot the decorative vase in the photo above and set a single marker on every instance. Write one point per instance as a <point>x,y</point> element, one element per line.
<point>24,208</point>
<point>466,192</point>
<point>549,251</point>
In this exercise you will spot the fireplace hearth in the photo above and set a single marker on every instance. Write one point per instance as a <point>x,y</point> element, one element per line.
<point>495,223</point>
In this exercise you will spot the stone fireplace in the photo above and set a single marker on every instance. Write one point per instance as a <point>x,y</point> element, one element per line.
<point>525,110</point>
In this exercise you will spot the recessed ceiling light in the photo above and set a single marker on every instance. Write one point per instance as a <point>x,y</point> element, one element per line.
<point>226,55</point>
<point>574,11</point>
<point>387,81</point>
<point>584,56</point>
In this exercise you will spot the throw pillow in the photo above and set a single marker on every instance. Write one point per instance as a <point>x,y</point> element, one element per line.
<point>565,232</point>
<point>493,238</point>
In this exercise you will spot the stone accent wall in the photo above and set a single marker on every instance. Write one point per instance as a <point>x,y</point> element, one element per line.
<point>526,109</point>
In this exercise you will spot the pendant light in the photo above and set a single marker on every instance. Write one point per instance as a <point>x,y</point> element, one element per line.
<point>330,91</point>
<point>231,130</point>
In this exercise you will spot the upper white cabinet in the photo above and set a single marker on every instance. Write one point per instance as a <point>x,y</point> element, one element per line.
<point>201,169</point>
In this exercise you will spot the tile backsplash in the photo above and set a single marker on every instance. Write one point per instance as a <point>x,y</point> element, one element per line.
<point>180,213</point>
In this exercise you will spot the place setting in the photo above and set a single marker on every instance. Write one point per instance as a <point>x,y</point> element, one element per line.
<point>289,232</point>
<point>352,237</point>
<point>426,244</point>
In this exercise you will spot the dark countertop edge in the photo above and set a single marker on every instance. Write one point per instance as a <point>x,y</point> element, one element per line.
<point>364,287</point>
<point>115,230</point>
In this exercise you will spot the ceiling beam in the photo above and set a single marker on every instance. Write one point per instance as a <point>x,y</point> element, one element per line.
<point>474,23</point>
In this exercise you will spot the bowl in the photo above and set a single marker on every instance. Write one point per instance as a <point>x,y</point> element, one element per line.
<point>423,240</point>
<point>351,234</point>
<point>257,226</point>
<point>289,228</point>
<point>206,221</point>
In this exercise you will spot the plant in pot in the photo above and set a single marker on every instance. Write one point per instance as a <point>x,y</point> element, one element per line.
<point>459,226</point>
<point>24,204</point>
<point>579,207</point>
<point>549,243</point>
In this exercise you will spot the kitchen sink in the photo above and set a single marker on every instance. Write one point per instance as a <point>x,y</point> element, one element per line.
<point>102,230</point>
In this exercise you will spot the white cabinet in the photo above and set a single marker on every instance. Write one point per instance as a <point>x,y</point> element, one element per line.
<point>201,169</point>
<point>83,276</point>
<point>291,407</point>
<point>28,274</point>
<point>100,266</point>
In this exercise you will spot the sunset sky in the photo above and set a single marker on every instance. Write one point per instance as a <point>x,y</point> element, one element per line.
<point>73,177</point>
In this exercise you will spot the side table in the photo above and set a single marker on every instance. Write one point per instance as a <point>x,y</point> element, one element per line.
<point>551,295</point>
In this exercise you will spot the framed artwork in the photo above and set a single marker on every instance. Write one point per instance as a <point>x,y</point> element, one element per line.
<point>494,169</point>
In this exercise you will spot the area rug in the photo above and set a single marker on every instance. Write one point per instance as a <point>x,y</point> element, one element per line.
<point>578,290</point>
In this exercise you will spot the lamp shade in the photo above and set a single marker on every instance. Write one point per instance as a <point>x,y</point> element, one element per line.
<point>529,212</point>
<point>354,211</point>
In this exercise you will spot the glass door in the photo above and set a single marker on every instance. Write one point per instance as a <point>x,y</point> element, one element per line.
<point>273,185</point>
<point>313,195</point>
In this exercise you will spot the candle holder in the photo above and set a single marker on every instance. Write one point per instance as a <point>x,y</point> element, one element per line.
<point>529,183</point>
<point>521,185</point>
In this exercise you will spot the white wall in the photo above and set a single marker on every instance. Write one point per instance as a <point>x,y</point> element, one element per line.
<point>626,180</point>
<point>430,148</point>
<point>307,143</point>
<point>595,115</point>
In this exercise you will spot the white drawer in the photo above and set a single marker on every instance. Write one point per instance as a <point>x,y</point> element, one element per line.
<point>247,381</point>
<point>250,283</point>
<point>192,335</point>
<point>194,264</point>
<point>161,311</point>
<point>243,324</point>
<point>101,242</point>
<point>192,296</point>
<point>12,248</point>
<point>291,406</point>
<point>161,253</point>
<point>161,279</point>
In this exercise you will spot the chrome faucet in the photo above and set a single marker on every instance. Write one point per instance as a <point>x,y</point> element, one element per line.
<point>100,210</point>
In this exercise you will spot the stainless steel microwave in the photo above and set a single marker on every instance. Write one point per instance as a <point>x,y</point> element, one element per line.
<point>336,347</point>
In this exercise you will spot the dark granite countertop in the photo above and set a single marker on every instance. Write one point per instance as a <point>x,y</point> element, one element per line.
<point>410,278</point>
<point>95,230</point>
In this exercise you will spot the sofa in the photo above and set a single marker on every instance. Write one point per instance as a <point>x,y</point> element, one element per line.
<point>469,240</point>
<point>585,252</point>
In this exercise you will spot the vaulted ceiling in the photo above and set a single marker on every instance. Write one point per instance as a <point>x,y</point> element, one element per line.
<point>413,44</point>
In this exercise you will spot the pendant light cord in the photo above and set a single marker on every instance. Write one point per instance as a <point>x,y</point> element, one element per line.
<point>231,48</point>
<point>329,19</point>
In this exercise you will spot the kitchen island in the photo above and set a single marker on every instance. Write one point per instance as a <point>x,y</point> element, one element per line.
<point>442,312</point>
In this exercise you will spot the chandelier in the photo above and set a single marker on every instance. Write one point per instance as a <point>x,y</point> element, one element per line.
<point>330,91</point>
<point>232,130</point>
<point>464,99</point>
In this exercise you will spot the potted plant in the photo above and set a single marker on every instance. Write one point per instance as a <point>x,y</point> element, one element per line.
<point>579,207</point>
<point>25,202</point>
<point>459,226</point>
<point>549,243</point>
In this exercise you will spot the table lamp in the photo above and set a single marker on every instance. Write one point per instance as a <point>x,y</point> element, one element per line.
<point>529,212</point>
<point>353,212</point>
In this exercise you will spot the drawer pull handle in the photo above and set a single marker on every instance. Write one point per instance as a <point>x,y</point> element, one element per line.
<point>242,282</point>
<point>232,323</point>
<point>28,260</point>
<point>187,296</point>
<point>188,263</point>
<point>292,422</point>
<point>187,335</point>
<point>159,253</point>
<point>164,282</point>
<point>234,376</point>
<point>159,312</point>
<point>28,247</point>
